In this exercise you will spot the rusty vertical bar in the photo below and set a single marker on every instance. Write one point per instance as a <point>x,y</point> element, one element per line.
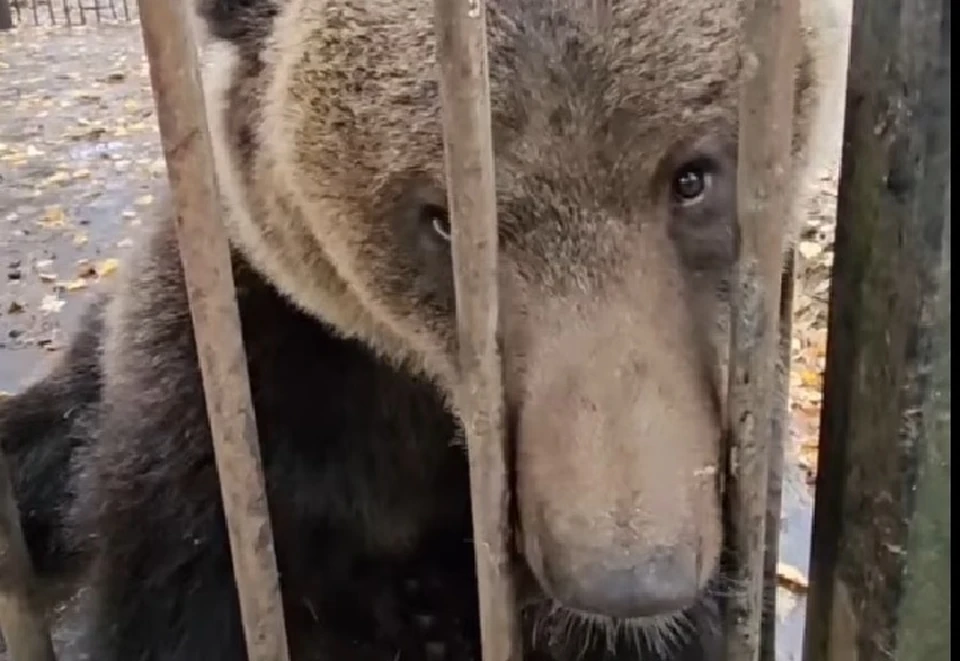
<point>462,55</point>
<point>204,252</point>
<point>770,39</point>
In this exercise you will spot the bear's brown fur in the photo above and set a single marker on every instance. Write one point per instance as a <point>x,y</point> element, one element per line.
<point>615,128</point>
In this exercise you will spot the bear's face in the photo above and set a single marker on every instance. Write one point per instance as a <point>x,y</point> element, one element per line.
<point>615,147</point>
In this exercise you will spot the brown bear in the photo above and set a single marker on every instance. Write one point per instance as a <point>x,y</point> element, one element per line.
<point>615,129</point>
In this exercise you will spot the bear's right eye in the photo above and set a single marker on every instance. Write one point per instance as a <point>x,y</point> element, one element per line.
<point>437,218</point>
<point>690,184</point>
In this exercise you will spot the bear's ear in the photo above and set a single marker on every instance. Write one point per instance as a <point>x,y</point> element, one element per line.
<point>237,20</point>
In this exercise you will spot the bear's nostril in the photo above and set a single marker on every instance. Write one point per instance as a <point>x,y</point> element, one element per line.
<point>661,582</point>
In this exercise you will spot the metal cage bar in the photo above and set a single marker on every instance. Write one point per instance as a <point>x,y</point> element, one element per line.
<point>174,73</point>
<point>770,40</point>
<point>464,86</point>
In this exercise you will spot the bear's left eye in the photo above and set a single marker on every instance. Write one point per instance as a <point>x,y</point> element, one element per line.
<point>437,218</point>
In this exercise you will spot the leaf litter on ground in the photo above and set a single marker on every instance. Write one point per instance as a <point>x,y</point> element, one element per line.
<point>78,151</point>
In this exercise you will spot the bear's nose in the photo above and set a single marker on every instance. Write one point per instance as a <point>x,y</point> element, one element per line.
<point>664,581</point>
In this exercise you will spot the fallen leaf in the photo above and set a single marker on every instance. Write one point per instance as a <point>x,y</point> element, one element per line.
<point>791,578</point>
<point>55,178</point>
<point>810,379</point>
<point>106,266</point>
<point>51,303</point>
<point>53,216</point>
<point>73,285</point>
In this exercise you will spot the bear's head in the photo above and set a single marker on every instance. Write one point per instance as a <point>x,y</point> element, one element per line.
<point>615,127</point>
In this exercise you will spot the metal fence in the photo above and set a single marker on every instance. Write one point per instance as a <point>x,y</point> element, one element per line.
<point>67,13</point>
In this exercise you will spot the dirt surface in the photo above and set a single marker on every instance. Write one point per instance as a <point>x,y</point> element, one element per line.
<point>79,160</point>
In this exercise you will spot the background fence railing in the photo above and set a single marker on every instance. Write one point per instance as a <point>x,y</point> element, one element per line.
<point>25,13</point>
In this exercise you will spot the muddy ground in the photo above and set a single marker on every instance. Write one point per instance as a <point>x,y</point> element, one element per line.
<point>80,160</point>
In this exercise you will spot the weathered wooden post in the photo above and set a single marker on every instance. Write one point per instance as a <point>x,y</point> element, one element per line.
<point>204,251</point>
<point>769,53</point>
<point>22,617</point>
<point>880,561</point>
<point>464,86</point>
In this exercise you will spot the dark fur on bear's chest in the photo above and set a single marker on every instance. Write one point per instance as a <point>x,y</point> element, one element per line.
<point>368,489</point>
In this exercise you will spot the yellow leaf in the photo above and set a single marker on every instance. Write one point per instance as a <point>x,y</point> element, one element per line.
<point>54,216</point>
<point>73,285</point>
<point>808,458</point>
<point>106,266</point>
<point>56,178</point>
<point>810,379</point>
